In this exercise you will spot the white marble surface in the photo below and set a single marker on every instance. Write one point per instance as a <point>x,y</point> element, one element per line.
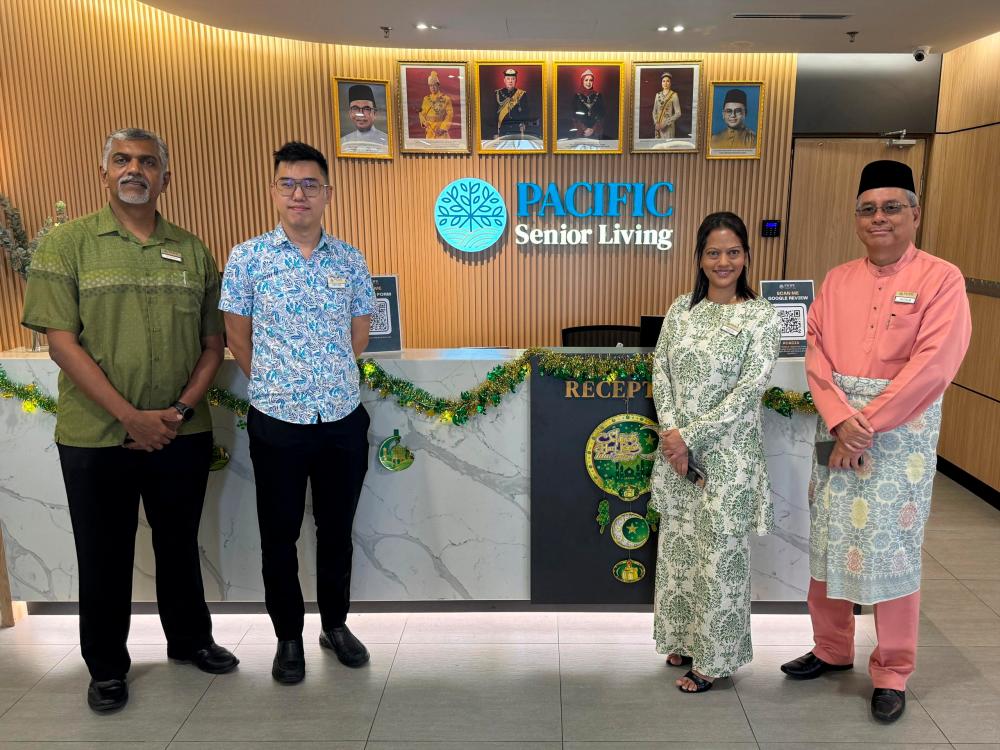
<point>455,525</point>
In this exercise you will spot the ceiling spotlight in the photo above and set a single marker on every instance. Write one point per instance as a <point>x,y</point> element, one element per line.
<point>661,28</point>
<point>422,26</point>
<point>678,28</point>
<point>434,28</point>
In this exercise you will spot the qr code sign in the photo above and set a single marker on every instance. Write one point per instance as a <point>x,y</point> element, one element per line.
<point>381,324</point>
<point>793,321</point>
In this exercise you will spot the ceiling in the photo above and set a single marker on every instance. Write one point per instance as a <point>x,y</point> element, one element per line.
<point>614,25</point>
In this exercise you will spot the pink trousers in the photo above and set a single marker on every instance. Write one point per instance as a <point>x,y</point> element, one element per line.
<point>896,622</point>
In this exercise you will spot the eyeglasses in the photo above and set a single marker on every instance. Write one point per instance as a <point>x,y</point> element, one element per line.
<point>733,111</point>
<point>892,208</point>
<point>286,187</point>
<point>365,110</point>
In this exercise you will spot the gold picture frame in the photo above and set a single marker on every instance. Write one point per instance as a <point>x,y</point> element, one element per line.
<point>582,118</point>
<point>436,123</point>
<point>522,128</point>
<point>734,136</point>
<point>354,141</point>
<point>678,116</point>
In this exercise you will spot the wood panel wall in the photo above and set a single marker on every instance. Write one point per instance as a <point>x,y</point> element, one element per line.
<point>71,72</point>
<point>961,214</point>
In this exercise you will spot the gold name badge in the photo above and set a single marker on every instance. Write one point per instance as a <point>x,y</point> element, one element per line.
<point>336,282</point>
<point>907,298</point>
<point>170,256</point>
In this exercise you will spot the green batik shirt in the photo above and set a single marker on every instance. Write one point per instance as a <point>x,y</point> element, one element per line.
<point>139,309</point>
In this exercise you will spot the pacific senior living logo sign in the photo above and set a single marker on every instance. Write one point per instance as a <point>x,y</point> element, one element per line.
<point>471,216</point>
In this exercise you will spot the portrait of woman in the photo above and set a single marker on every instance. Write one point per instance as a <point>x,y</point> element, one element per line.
<point>711,365</point>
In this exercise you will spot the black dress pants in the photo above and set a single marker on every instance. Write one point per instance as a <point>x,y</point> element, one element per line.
<point>103,486</point>
<point>334,457</point>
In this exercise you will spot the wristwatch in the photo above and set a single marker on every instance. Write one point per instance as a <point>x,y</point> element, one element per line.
<point>186,412</point>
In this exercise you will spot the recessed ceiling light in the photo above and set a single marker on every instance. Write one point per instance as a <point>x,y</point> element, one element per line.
<point>422,26</point>
<point>661,28</point>
<point>678,28</point>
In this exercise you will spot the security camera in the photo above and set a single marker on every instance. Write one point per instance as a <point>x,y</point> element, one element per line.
<point>921,52</point>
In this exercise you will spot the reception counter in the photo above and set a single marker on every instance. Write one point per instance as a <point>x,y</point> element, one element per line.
<point>453,526</point>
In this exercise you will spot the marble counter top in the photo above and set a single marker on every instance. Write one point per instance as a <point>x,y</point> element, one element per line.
<point>454,526</point>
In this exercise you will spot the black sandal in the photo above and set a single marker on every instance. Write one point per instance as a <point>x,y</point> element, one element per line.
<point>685,661</point>
<point>701,684</point>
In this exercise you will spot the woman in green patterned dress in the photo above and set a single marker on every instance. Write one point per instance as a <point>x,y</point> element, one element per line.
<point>712,363</point>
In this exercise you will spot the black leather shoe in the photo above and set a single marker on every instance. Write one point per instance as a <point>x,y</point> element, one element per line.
<point>810,666</point>
<point>107,695</point>
<point>888,704</point>
<point>213,659</point>
<point>289,662</point>
<point>350,651</point>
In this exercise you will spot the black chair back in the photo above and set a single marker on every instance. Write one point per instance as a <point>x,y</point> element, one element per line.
<point>601,336</point>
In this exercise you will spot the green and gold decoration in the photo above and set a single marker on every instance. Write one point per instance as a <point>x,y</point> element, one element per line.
<point>630,531</point>
<point>787,402</point>
<point>32,397</point>
<point>220,457</point>
<point>628,571</point>
<point>620,453</point>
<point>393,455</point>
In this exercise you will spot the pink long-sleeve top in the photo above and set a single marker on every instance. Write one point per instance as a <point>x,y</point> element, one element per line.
<point>908,322</point>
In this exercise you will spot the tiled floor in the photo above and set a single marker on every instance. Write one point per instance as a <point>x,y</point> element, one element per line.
<point>530,680</point>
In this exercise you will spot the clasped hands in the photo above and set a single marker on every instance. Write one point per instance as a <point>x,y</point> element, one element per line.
<point>675,450</point>
<point>854,436</point>
<point>152,429</point>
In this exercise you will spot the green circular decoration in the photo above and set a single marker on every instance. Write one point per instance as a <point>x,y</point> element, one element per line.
<point>620,454</point>
<point>220,457</point>
<point>393,455</point>
<point>629,571</point>
<point>630,531</point>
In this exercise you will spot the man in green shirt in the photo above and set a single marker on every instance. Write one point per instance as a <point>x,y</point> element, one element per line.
<point>130,305</point>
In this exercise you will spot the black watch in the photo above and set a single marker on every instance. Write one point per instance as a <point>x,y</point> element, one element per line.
<point>186,412</point>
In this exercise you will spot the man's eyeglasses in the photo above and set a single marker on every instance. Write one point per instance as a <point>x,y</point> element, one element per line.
<point>310,188</point>
<point>893,208</point>
<point>365,110</point>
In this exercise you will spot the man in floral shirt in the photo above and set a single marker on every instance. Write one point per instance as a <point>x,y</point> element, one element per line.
<point>297,304</point>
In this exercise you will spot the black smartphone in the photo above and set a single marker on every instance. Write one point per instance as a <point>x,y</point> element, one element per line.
<point>823,452</point>
<point>696,474</point>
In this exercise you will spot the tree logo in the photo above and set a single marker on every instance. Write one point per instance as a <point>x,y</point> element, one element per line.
<point>470,215</point>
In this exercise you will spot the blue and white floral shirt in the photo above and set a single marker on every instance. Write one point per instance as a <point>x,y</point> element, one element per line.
<point>303,367</point>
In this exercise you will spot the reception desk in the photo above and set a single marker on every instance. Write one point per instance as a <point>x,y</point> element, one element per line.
<point>453,526</point>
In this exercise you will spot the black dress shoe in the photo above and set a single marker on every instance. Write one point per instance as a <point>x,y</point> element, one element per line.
<point>888,704</point>
<point>810,666</point>
<point>341,641</point>
<point>213,659</point>
<point>289,664</point>
<point>107,695</point>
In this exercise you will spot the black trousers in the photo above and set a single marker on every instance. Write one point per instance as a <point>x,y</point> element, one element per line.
<point>334,457</point>
<point>103,486</point>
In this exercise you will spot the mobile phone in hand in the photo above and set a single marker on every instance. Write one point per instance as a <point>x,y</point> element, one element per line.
<point>695,474</point>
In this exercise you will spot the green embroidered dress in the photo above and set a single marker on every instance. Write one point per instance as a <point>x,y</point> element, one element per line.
<point>710,369</point>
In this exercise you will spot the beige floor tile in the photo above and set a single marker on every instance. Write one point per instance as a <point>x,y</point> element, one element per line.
<point>796,630</point>
<point>832,708</point>
<point>952,615</point>
<point>471,693</point>
<point>611,692</point>
<point>987,591</point>
<point>334,702</point>
<point>482,627</point>
<point>606,627</point>
<point>369,627</point>
<point>960,690</point>
<point>931,569</point>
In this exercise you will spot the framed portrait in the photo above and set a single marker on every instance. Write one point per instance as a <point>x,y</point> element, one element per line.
<point>363,118</point>
<point>735,120</point>
<point>588,108</point>
<point>510,108</point>
<point>433,108</point>
<point>665,104</point>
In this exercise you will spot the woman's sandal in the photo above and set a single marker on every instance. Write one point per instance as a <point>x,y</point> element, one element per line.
<point>685,661</point>
<point>700,683</point>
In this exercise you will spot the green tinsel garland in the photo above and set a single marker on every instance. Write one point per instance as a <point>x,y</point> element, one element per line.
<point>500,381</point>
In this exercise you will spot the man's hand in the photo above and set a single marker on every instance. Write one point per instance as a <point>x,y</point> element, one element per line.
<point>153,429</point>
<point>843,457</point>
<point>855,433</point>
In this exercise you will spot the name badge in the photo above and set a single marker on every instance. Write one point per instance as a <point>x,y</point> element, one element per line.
<point>336,282</point>
<point>907,298</point>
<point>166,255</point>
<point>731,330</point>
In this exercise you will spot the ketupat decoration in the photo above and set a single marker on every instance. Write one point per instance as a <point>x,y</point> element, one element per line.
<point>14,239</point>
<point>393,455</point>
<point>603,517</point>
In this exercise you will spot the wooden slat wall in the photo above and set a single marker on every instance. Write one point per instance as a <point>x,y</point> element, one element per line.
<point>70,72</point>
<point>960,215</point>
